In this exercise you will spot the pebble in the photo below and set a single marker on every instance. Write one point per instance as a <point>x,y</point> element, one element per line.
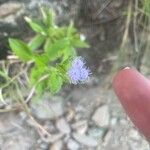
<point>53,138</point>
<point>49,109</point>
<point>63,126</point>
<point>80,126</point>
<point>107,138</point>
<point>58,145</point>
<point>96,133</point>
<point>70,114</point>
<point>133,133</point>
<point>85,140</point>
<point>72,145</point>
<point>114,121</point>
<point>101,116</point>
<point>9,8</point>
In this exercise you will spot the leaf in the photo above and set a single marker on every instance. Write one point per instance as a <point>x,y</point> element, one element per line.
<point>57,32</point>
<point>41,59</point>
<point>79,43</point>
<point>42,87</point>
<point>37,73</point>
<point>71,30</point>
<point>68,52</point>
<point>35,26</point>
<point>48,16</point>
<point>36,42</point>
<point>21,49</point>
<point>52,50</point>
<point>55,82</point>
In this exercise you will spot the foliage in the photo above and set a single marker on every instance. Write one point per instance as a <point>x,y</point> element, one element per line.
<point>146,7</point>
<point>51,50</point>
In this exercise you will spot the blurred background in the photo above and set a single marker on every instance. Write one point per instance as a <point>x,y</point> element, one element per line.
<point>86,116</point>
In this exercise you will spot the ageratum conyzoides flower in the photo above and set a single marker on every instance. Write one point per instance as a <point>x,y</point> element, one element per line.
<point>78,73</point>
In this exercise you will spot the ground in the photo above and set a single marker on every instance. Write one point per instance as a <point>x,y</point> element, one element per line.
<point>82,117</point>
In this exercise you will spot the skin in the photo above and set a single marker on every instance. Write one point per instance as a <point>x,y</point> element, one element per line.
<point>133,91</point>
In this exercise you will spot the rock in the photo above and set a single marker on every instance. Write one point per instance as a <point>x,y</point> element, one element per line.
<point>15,143</point>
<point>96,133</point>
<point>70,114</point>
<point>44,146</point>
<point>113,121</point>
<point>63,126</point>
<point>134,134</point>
<point>9,8</point>
<point>58,145</point>
<point>107,138</point>
<point>101,116</point>
<point>49,109</point>
<point>85,140</point>
<point>80,126</point>
<point>72,145</point>
<point>53,138</point>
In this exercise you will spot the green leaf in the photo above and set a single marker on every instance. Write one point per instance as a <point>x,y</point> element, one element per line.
<point>55,82</point>
<point>36,42</point>
<point>79,43</point>
<point>48,16</point>
<point>57,32</point>
<point>35,26</point>
<point>21,49</point>
<point>36,73</point>
<point>69,52</point>
<point>53,50</point>
<point>42,87</point>
<point>41,59</point>
<point>71,30</point>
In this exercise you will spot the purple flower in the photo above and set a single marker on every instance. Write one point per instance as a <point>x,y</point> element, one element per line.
<point>78,71</point>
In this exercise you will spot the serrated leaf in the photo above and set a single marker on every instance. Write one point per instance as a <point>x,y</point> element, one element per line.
<point>35,26</point>
<point>42,87</point>
<point>55,82</point>
<point>36,42</point>
<point>41,59</point>
<point>52,50</point>
<point>21,49</point>
<point>37,73</point>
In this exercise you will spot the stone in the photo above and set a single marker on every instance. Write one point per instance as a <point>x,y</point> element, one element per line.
<point>58,145</point>
<point>70,114</point>
<point>134,134</point>
<point>80,126</point>
<point>9,8</point>
<point>113,121</point>
<point>72,145</point>
<point>53,138</point>
<point>49,109</point>
<point>101,116</point>
<point>63,126</point>
<point>96,133</point>
<point>107,138</point>
<point>85,140</point>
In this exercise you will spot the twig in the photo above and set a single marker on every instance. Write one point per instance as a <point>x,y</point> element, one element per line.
<point>30,95</point>
<point>26,109</point>
<point>126,32</point>
<point>135,28</point>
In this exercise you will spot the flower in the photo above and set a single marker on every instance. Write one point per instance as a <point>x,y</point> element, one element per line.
<point>78,71</point>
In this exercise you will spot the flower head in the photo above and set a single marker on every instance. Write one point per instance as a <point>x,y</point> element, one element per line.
<point>78,71</point>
